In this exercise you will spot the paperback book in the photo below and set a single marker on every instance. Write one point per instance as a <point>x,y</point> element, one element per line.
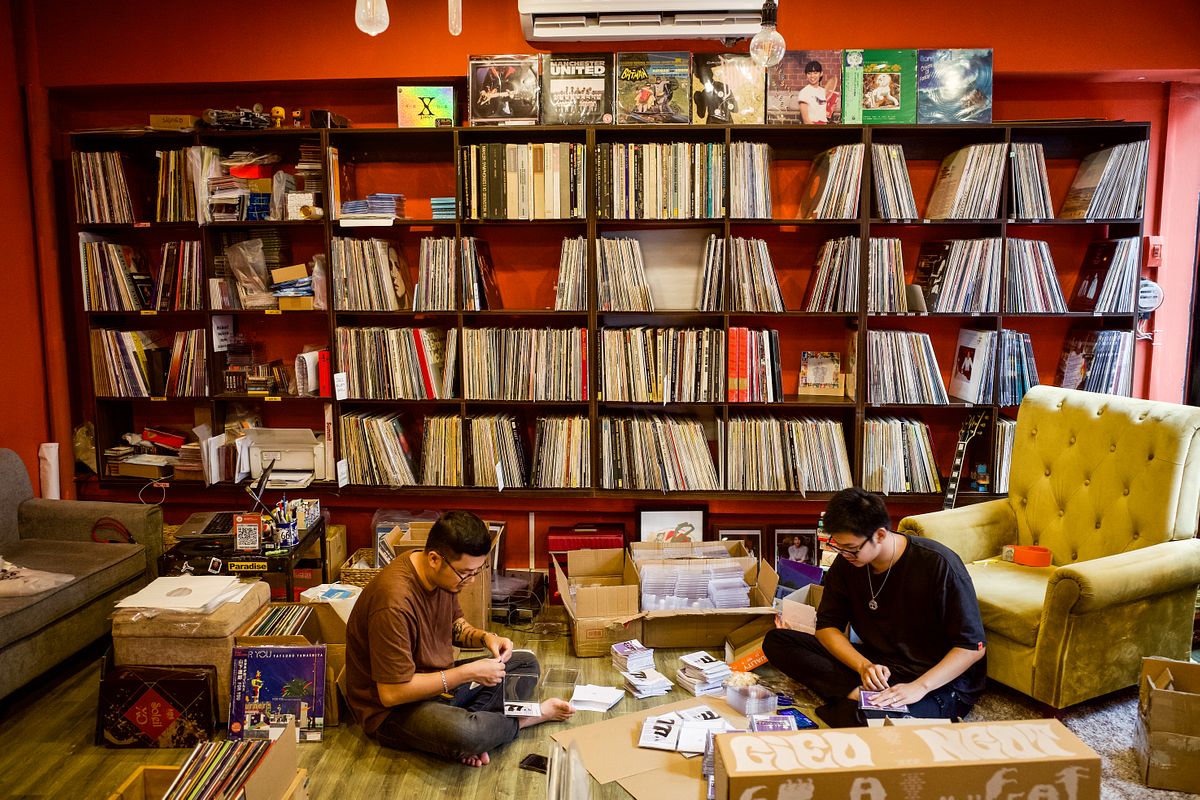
<point>727,88</point>
<point>273,685</point>
<point>504,90</point>
<point>577,89</point>
<point>653,88</point>
<point>881,87</point>
<point>954,86</point>
<point>805,88</point>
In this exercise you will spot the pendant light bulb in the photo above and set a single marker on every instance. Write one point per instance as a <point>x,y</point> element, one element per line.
<point>767,46</point>
<point>455,17</point>
<point>371,16</point>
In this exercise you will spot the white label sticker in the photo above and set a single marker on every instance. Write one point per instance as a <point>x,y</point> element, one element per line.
<point>341,385</point>
<point>343,473</point>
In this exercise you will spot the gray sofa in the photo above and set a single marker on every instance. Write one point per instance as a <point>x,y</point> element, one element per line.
<point>38,631</point>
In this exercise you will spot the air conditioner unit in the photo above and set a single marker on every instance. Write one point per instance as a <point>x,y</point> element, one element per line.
<point>610,20</point>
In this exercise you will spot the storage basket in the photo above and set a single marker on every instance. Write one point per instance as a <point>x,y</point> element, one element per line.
<point>359,576</point>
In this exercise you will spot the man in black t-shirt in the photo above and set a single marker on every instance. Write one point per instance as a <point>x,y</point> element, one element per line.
<point>919,637</point>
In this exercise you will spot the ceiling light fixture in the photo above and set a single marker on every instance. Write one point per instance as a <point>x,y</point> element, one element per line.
<point>767,46</point>
<point>455,17</point>
<point>371,16</point>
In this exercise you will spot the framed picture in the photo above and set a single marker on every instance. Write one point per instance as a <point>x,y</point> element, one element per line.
<point>797,544</point>
<point>671,524</point>
<point>750,537</point>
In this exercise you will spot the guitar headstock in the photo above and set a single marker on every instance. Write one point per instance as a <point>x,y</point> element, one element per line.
<point>972,425</point>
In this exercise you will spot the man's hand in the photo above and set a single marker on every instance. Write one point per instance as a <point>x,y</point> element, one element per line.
<point>902,694</point>
<point>486,671</point>
<point>499,646</point>
<point>874,676</point>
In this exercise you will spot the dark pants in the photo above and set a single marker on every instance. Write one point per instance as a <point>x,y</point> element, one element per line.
<point>805,660</point>
<point>470,723</point>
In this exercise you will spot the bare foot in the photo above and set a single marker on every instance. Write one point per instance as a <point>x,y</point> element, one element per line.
<point>480,760</point>
<point>553,710</point>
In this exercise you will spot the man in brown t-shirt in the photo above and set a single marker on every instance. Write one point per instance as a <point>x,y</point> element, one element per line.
<point>400,675</point>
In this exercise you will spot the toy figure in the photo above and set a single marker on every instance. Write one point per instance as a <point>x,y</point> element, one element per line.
<point>297,117</point>
<point>277,114</point>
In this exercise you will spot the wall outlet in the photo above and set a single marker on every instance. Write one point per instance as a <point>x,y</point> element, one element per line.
<point>1154,252</point>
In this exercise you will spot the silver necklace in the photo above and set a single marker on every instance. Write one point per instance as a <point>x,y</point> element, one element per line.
<point>874,606</point>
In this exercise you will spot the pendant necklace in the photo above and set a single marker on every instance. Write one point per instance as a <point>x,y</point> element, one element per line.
<point>874,606</point>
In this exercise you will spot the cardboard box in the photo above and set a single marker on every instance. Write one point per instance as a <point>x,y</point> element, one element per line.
<point>292,273</point>
<point>707,628</point>
<point>173,122</point>
<point>1167,736</point>
<point>335,549</point>
<point>155,706</point>
<point>303,303</point>
<point>1022,759</point>
<point>601,599</point>
<point>743,646</point>
<point>657,552</point>
<point>323,626</point>
<point>152,783</point>
<point>799,609</point>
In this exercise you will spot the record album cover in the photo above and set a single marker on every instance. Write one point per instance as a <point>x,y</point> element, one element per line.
<point>504,90</point>
<point>805,88</point>
<point>271,683</point>
<point>577,88</point>
<point>954,86</point>
<point>653,88</point>
<point>881,87</point>
<point>727,88</point>
<point>424,106</point>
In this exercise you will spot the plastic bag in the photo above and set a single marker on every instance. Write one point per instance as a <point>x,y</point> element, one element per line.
<point>83,442</point>
<point>249,268</point>
<point>318,282</point>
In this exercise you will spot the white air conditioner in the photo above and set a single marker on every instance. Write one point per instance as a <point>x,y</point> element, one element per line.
<point>609,20</point>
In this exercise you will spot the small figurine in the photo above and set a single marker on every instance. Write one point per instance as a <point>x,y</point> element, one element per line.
<point>297,117</point>
<point>277,115</point>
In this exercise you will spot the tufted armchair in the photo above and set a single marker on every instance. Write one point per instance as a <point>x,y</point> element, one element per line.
<point>1110,485</point>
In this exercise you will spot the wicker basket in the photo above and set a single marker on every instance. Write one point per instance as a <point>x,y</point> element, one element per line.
<point>359,576</point>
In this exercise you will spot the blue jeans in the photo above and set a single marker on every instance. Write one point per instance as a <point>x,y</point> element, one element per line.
<point>469,723</point>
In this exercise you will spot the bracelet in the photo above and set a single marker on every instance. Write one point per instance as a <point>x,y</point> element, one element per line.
<point>445,686</point>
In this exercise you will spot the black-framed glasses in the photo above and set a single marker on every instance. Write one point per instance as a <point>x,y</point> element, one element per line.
<point>463,577</point>
<point>846,551</point>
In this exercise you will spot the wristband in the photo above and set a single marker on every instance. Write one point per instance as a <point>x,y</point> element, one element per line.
<point>445,686</point>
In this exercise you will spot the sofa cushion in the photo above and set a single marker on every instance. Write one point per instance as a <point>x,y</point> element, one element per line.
<point>1011,597</point>
<point>98,568</point>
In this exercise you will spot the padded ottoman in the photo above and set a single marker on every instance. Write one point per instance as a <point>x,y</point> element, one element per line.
<point>179,638</point>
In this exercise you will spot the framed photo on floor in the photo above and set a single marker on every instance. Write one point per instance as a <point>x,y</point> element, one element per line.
<point>671,524</point>
<point>751,538</point>
<point>797,544</point>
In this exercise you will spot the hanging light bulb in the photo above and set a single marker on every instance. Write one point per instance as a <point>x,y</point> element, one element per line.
<point>371,16</point>
<point>455,17</point>
<point>767,46</point>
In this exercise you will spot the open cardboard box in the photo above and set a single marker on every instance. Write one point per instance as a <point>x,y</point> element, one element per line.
<point>708,627</point>
<point>323,626</point>
<point>1022,759</point>
<point>1167,735</point>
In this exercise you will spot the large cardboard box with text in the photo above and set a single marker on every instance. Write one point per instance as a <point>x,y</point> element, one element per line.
<point>1024,760</point>
<point>1167,735</point>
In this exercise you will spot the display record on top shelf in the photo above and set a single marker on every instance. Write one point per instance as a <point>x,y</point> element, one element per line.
<point>1107,277</point>
<point>954,85</point>
<point>805,88</point>
<point>767,454</point>
<point>1030,184</point>
<point>727,89</point>
<point>893,188</point>
<point>881,87</point>
<point>578,88</point>
<point>968,184</point>
<point>1032,286</point>
<point>834,284</point>
<point>654,88</point>
<point>832,188</point>
<point>504,89</point>
<point>898,457</point>
<point>1110,184</point>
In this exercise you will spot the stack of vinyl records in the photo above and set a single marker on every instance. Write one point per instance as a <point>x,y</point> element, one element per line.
<point>562,454</point>
<point>753,284</point>
<point>969,183</point>
<point>442,451</point>
<point>369,275</point>
<point>621,276</point>
<point>712,281</point>
<point>646,682</point>
<point>497,458</point>
<point>398,363</point>
<point>180,284</point>
<point>217,770</point>
<point>885,277</point>
<point>1030,185</point>
<point>1107,277</point>
<point>787,455</point>
<point>124,363</point>
<point>631,656</point>
<point>749,180</point>
<point>833,185</point>
<point>540,364</point>
<point>113,275</point>
<point>959,276</point>
<point>1110,184</point>
<point>1032,286</point>
<point>754,371</point>
<point>188,375</point>
<point>526,180</point>
<point>1097,361</point>
<point>893,189</point>
<point>898,457</point>
<point>377,450</point>
<point>702,674</point>
<point>659,453</point>
<point>480,290</point>
<point>436,288</point>
<point>570,292</point>
<point>1018,372</point>
<point>662,365</point>
<point>1005,436</point>
<point>101,192</point>
<point>834,286</point>
<point>282,620</point>
<point>661,180</point>
<point>903,369</point>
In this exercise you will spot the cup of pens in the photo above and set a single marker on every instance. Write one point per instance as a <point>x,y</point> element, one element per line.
<point>288,535</point>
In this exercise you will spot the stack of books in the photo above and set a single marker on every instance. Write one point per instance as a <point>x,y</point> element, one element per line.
<point>702,674</point>
<point>631,656</point>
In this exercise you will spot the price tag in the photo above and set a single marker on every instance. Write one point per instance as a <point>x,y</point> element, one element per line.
<point>147,312</point>
<point>141,224</point>
<point>273,398</point>
<point>161,484</point>
<point>341,385</point>
<point>926,221</point>
<point>271,311</point>
<point>1089,221</point>
<point>343,473</point>
<point>158,399</point>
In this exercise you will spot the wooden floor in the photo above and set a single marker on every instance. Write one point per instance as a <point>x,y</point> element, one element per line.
<point>47,729</point>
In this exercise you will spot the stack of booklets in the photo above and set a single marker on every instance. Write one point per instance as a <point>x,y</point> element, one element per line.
<point>834,286</point>
<point>176,200</point>
<point>442,451</point>
<point>685,731</point>
<point>1002,442</point>
<point>281,620</point>
<point>101,191</point>
<point>190,466</point>
<point>749,180</point>
<point>442,207</point>
<point>752,281</point>
<point>661,180</point>
<point>631,656</point>
<point>1018,372</point>
<point>113,275</point>
<point>310,166</point>
<point>436,289</point>
<point>480,290</point>
<point>968,184</point>
<point>662,365</point>
<point>893,189</point>
<point>712,280</point>
<point>702,674</point>
<point>1097,361</point>
<point>1110,184</point>
<point>381,206</point>
<point>769,723</point>
<point>497,458</point>
<point>902,368</point>
<point>960,276</point>
<point>1030,185</point>
<point>1032,286</point>
<point>229,199</point>
<point>754,371</point>
<point>570,292</point>
<point>885,276</point>
<point>647,682</point>
<point>833,184</point>
<point>527,180</point>
<point>1108,277</point>
<point>398,363</point>
<point>787,455</point>
<point>660,453</point>
<point>621,276</point>
<point>369,275</point>
<point>377,450</point>
<point>541,364</point>
<point>217,769</point>
<point>563,455</point>
<point>898,457</point>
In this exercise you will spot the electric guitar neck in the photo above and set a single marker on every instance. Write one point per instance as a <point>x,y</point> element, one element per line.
<point>970,429</point>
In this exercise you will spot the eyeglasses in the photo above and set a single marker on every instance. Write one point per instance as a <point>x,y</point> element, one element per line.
<point>463,577</point>
<point>846,551</point>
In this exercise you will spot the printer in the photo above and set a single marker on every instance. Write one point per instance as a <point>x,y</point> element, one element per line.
<point>292,450</point>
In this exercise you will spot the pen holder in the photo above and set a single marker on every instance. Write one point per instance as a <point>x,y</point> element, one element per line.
<point>287,534</point>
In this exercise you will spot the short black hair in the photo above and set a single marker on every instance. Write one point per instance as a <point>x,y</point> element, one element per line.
<point>856,511</point>
<point>813,66</point>
<point>458,533</point>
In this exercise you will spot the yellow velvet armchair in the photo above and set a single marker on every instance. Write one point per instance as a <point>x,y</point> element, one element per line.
<point>1111,486</point>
